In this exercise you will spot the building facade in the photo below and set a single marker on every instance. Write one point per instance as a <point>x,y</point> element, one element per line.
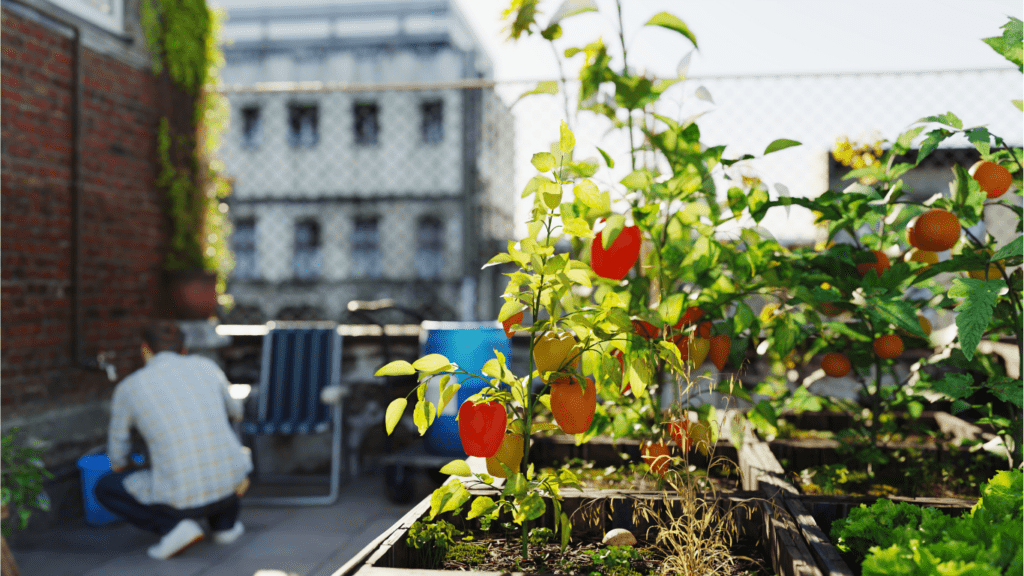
<point>371,159</point>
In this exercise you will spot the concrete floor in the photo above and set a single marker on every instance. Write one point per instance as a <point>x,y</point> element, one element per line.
<point>278,541</point>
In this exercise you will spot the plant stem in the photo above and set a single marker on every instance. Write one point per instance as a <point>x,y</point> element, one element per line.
<point>625,73</point>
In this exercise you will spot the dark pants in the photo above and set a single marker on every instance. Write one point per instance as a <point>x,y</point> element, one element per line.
<point>161,518</point>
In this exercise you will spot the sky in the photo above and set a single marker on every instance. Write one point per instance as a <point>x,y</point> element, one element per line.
<point>765,36</point>
<point>753,36</point>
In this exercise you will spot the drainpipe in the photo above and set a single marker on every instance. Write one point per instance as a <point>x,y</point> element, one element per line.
<point>471,131</point>
<point>77,340</point>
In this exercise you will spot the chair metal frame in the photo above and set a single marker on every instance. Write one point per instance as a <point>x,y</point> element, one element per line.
<point>308,398</point>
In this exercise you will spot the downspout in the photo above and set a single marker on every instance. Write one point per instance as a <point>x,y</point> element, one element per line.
<point>471,128</point>
<point>77,340</point>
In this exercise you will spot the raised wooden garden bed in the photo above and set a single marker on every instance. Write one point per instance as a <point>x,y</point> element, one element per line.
<point>934,439</point>
<point>814,514</point>
<point>770,530</point>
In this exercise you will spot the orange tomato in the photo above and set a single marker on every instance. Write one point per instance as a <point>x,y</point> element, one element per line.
<point>880,265</point>
<point>835,364</point>
<point>572,407</point>
<point>993,179</point>
<point>935,230</point>
<point>888,346</point>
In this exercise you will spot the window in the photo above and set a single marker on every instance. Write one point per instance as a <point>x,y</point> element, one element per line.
<point>243,244</point>
<point>303,128</point>
<point>429,248</point>
<point>366,123</point>
<point>366,257</point>
<point>308,261</point>
<point>250,127</point>
<point>107,14</point>
<point>433,122</point>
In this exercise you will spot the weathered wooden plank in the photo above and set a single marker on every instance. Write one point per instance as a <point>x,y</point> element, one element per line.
<point>789,556</point>
<point>820,545</point>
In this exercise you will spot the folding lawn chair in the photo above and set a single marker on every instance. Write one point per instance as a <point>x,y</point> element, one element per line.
<point>300,393</point>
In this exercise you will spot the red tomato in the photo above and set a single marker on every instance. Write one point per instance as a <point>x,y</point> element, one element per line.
<point>615,262</point>
<point>481,427</point>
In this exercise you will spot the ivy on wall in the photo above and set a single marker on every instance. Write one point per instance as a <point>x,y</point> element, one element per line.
<point>182,37</point>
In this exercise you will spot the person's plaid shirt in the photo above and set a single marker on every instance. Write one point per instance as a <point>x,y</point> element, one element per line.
<point>180,405</point>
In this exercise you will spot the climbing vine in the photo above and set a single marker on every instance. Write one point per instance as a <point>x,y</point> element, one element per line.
<point>182,36</point>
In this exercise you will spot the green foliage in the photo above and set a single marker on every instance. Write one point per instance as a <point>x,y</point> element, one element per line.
<point>22,480</point>
<point>430,542</point>
<point>1010,43</point>
<point>615,559</point>
<point>182,37</point>
<point>902,538</point>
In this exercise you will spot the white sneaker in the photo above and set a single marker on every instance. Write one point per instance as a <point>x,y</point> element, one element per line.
<point>185,534</point>
<point>229,536</point>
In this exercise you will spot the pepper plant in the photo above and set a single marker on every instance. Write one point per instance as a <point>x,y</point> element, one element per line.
<point>603,298</point>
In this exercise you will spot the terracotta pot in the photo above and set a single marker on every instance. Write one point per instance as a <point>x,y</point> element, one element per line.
<point>193,294</point>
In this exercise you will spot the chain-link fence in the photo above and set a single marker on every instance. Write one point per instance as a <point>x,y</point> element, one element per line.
<point>403,191</point>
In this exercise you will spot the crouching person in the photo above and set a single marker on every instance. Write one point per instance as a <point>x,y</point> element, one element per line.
<point>197,468</point>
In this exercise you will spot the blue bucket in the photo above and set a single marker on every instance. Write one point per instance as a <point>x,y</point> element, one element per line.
<point>93,468</point>
<point>470,345</point>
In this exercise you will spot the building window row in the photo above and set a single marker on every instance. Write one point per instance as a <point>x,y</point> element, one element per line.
<point>367,257</point>
<point>304,124</point>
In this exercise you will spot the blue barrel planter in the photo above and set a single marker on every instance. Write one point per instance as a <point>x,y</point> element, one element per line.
<point>94,467</point>
<point>469,345</point>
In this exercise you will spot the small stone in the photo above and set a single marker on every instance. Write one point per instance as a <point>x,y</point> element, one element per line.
<point>619,537</point>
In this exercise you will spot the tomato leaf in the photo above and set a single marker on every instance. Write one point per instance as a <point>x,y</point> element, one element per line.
<point>394,414</point>
<point>457,468</point>
<point>1008,390</point>
<point>975,312</point>
<point>900,313</point>
<point>954,386</point>
<point>396,368</point>
<point>432,364</point>
<point>781,144</point>
<point>1014,248</point>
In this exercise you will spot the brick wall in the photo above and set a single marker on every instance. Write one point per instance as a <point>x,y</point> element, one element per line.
<point>124,231</point>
